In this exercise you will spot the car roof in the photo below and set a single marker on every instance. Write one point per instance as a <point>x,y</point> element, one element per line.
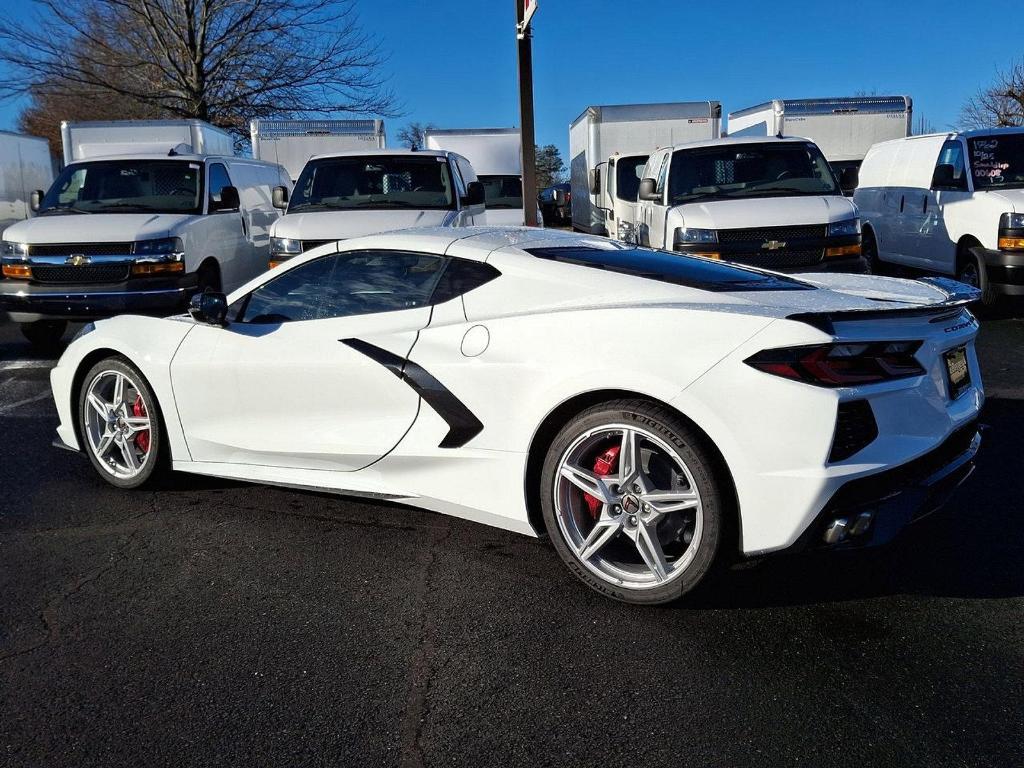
<point>727,140</point>
<point>382,153</point>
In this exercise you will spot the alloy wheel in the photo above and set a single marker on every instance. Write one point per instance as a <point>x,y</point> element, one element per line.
<point>628,506</point>
<point>117,424</point>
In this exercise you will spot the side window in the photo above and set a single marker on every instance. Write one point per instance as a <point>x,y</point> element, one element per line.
<point>460,277</point>
<point>218,180</point>
<point>295,295</point>
<point>365,282</point>
<point>952,153</point>
<point>662,174</point>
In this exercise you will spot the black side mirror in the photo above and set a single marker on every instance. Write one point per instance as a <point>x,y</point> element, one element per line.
<point>849,178</point>
<point>594,179</point>
<point>647,190</point>
<point>229,200</point>
<point>279,197</point>
<point>35,200</point>
<point>474,193</point>
<point>210,308</point>
<point>943,176</point>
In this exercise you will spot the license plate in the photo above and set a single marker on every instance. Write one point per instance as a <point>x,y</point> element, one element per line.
<point>957,371</point>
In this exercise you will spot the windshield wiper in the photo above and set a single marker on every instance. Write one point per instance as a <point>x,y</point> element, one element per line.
<point>125,206</point>
<point>385,203</point>
<point>323,206</point>
<point>61,211</point>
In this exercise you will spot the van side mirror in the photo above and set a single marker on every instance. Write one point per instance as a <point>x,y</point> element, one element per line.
<point>943,177</point>
<point>647,190</point>
<point>229,199</point>
<point>279,197</point>
<point>594,179</point>
<point>474,193</point>
<point>559,196</point>
<point>849,179</point>
<point>209,307</point>
<point>35,200</point>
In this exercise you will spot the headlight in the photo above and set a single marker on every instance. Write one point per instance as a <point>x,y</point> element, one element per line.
<point>1006,221</point>
<point>690,235</point>
<point>846,227</point>
<point>285,246</point>
<point>165,246</point>
<point>19,250</point>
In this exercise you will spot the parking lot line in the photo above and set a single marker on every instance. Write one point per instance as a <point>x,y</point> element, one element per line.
<point>26,401</point>
<point>15,365</point>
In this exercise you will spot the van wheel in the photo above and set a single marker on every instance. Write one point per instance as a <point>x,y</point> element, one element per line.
<point>209,277</point>
<point>44,334</point>
<point>869,248</point>
<point>971,270</point>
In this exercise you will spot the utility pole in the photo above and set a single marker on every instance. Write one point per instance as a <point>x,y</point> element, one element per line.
<point>524,47</point>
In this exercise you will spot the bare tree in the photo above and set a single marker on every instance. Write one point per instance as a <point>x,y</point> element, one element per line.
<point>1000,104</point>
<point>412,135</point>
<point>225,61</point>
<point>922,125</point>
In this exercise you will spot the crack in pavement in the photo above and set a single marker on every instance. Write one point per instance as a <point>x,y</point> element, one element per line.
<point>422,668</point>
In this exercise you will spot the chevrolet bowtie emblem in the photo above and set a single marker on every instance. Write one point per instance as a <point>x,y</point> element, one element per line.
<point>77,259</point>
<point>773,245</point>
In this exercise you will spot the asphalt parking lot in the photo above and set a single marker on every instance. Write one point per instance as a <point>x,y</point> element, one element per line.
<point>222,624</point>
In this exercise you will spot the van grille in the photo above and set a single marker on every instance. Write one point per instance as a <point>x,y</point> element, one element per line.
<point>86,249</point>
<point>308,245</point>
<point>758,235</point>
<point>781,259</point>
<point>87,273</point>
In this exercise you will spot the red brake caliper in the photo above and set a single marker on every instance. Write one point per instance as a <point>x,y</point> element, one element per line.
<point>142,438</point>
<point>605,465</point>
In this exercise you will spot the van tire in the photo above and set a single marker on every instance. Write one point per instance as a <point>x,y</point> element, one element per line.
<point>208,277</point>
<point>869,248</point>
<point>971,270</point>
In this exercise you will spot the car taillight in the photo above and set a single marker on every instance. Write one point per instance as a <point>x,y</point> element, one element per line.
<point>841,365</point>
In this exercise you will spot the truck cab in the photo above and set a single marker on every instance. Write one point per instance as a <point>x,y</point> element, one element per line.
<point>136,234</point>
<point>351,194</point>
<point>766,202</point>
<point>614,184</point>
<point>949,203</point>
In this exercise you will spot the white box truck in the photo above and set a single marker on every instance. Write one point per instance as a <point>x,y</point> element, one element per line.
<point>497,157</point>
<point>25,165</point>
<point>844,128</point>
<point>292,142</point>
<point>608,147</point>
<point>102,138</point>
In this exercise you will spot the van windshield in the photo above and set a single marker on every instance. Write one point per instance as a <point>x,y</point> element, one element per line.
<point>126,186</point>
<point>997,161</point>
<point>374,182</point>
<point>741,171</point>
<point>502,192</point>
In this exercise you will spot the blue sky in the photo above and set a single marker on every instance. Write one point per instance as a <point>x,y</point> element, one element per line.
<point>452,62</point>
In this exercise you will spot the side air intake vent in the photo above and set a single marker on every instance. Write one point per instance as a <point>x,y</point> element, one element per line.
<point>855,429</point>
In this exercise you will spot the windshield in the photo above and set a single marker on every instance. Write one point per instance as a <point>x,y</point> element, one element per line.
<point>375,182</point>
<point>502,192</point>
<point>628,171</point>
<point>783,169</point>
<point>126,186</point>
<point>997,162</point>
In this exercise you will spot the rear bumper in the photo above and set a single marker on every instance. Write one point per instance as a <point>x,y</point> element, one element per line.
<point>1005,270</point>
<point>893,499</point>
<point>26,303</point>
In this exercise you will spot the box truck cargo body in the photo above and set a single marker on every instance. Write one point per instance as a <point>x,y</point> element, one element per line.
<point>843,128</point>
<point>292,142</point>
<point>497,157</point>
<point>104,138</point>
<point>608,147</point>
<point>25,165</point>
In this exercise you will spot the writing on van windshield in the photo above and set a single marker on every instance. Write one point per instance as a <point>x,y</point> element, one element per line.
<point>986,162</point>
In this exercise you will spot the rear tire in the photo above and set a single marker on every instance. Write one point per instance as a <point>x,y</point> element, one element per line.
<point>672,491</point>
<point>120,425</point>
<point>44,334</point>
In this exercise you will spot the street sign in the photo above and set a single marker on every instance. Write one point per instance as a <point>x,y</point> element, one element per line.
<point>522,26</point>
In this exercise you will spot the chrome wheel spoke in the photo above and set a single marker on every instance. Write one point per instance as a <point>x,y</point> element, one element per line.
<point>118,399</point>
<point>629,456</point>
<point>604,530</point>
<point>650,550</point>
<point>665,502</point>
<point>137,424</point>
<point>102,408</point>
<point>588,482</point>
<point>127,447</point>
<point>105,442</point>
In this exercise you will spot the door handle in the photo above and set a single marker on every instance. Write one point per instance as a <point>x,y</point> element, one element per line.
<point>924,206</point>
<point>903,199</point>
<point>245,232</point>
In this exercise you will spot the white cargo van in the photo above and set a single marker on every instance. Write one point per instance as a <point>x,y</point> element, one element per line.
<point>951,203</point>
<point>844,128</point>
<point>497,157</point>
<point>351,194</point>
<point>25,165</point>
<point>766,202</point>
<point>137,233</point>
<point>608,145</point>
<point>292,142</point>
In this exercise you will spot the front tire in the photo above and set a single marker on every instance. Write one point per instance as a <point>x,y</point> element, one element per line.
<point>120,425</point>
<point>971,270</point>
<point>633,502</point>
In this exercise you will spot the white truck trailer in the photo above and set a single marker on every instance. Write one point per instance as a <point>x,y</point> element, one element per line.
<point>102,138</point>
<point>844,128</point>
<point>291,143</point>
<point>608,148</point>
<point>25,165</point>
<point>496,154</point>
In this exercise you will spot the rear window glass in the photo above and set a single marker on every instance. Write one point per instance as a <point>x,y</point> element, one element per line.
<point>668,267</point>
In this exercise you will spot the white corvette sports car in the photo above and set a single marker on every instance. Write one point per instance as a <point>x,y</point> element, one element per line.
<point>651,413</point>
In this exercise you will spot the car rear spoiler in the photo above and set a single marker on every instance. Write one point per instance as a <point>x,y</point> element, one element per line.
<point>957,296</point>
